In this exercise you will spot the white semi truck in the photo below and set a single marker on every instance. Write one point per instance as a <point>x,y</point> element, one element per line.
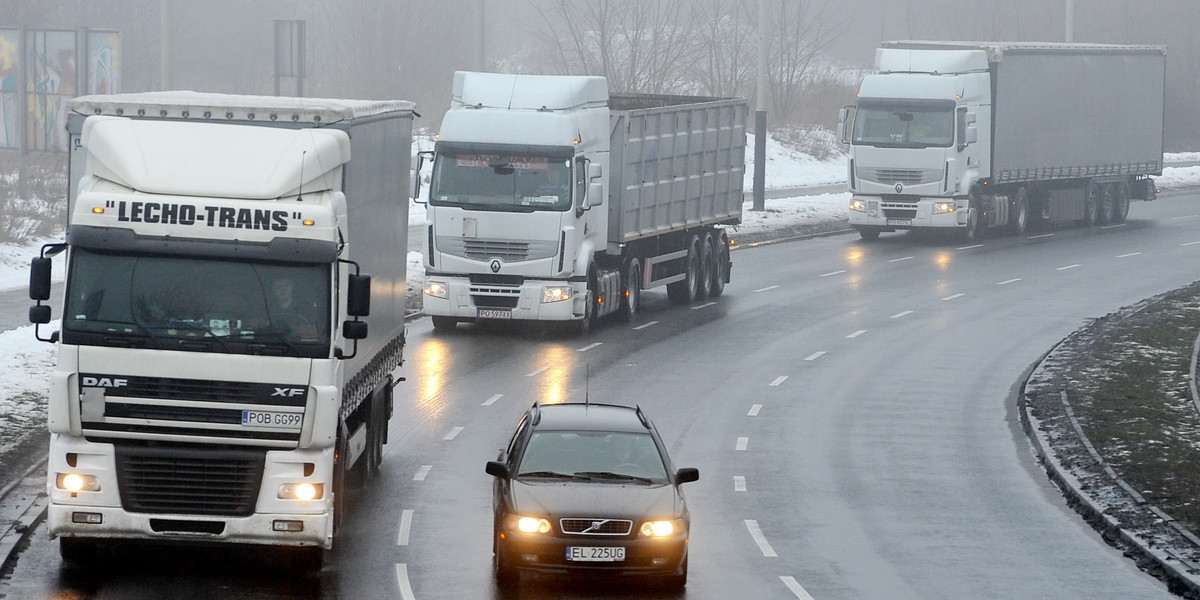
<point>552,200</point>
<point>967,136</point>
<point>225,256</point>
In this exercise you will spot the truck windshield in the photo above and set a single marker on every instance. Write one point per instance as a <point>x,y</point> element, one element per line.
<point>196,304</point>
<point>899,126</point>
<point>507,182</point>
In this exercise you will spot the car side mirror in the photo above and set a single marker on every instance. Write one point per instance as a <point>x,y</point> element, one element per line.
<point>496,468</point>
<point>687,475</point>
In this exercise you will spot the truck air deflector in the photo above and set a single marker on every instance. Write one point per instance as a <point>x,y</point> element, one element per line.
<point>293,250</point>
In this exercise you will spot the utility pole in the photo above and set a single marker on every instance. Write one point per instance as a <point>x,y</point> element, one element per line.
<point>164,45</point>
<point>760,115</point>
<point>1070,33</point>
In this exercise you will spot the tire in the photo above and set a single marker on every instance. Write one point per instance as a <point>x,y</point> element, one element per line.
<point>971,232</point>
<point>303,560</point>
<point>684,292</point>
<point>584,326</point>
<point>1019,221</point>
<point>631,301</point>
<point>678,581</point>
<point>1091,204</point>
<point>1104,212</point>
<point>507,576</point>
<point>721,258</point>
<point>1121,203</point>
<point>444,324</point>
<point>868,234</point>
<point>707,268</point>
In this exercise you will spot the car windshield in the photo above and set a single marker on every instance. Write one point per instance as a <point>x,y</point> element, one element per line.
<point>899,126</point>
<point>197,304</point>
<point>598,455</point>
<point>508,182</point>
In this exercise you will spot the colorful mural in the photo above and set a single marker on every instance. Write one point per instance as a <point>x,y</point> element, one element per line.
<point>51,80</point>
<point>10,129</point>
<point>104,65</point>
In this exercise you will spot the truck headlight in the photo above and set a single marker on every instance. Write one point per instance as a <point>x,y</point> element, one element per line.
<point>75,482</point>
<point>436,289</point>
<point>556,293</point>
<point>858,204</point>
<point>943,207</point>
<point>301,491</point>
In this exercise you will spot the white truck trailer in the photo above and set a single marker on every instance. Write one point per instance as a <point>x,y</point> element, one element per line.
<point>225,257</point>
<point>552,200</point>
<point>967,136</point>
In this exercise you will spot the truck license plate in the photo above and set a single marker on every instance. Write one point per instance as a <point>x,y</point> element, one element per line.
<point>494,313</point>
<point>595,553</point>
<point>261,418</point>
<point>899,222</point>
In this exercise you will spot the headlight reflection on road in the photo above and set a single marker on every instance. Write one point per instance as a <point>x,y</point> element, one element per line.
<point>431,362</point>
<point>555,381</point>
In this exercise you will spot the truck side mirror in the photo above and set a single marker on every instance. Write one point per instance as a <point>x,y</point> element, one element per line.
<point>595,195</point>
<point>418,161</point>
<point>843,132</point>
<point>358,296</point>
<point>354,330</point>
<point>39,278</point>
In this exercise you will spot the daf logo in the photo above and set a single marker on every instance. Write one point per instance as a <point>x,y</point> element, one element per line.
<point>899,187</point>
<point>104,382</point>
<point>288,392</point>
<point>495,265</point>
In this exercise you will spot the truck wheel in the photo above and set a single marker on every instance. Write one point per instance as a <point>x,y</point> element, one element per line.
<point>684,292</point>
<point>721,257</point>
<point>707,267</point>
<point>868,234</point>
<point>1121,203</point>
<point>1091,204</point>
<point>971,231</point>
<point>631,301</point>
<point>444,324</point>
<point>303,560</point>
<point>1104,214</point>
<point>78,551</point>
<point>1020,213</point>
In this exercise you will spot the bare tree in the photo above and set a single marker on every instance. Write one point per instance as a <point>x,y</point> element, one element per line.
<point>726,33</point>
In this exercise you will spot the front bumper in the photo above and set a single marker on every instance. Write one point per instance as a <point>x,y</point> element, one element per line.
<point>909,213</point>
<point>465,300</point>
<point>548,554</point>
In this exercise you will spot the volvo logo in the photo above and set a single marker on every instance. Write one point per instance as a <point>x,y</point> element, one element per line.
<point>495,265</point>
<point>596,525</point>
<point>899,187</point>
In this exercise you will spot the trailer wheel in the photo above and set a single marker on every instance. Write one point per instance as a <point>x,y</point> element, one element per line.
<point>1091,204</point>
<point>1020,213</point>
<point>721,257</point>
<point>1104,214</point>
<point>1121,203</point>
<point>684,292</point>
<point>631,301</point>
<point>707,267</point>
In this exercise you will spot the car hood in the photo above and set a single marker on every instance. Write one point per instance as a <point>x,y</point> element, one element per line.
<point>591,500</point>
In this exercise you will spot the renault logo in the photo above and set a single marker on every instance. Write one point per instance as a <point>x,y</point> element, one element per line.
<point>899,187</point>
<point>495,265</point>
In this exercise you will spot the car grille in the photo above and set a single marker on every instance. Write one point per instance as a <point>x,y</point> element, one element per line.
<point>577,526</point>
<point>160,480</point>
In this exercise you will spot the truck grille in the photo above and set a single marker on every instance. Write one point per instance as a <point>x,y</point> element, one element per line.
<point>507,250</point>
<point>578,526</point>
<point>189,481</point>
<point>179,410</point>
<point>905,176</point>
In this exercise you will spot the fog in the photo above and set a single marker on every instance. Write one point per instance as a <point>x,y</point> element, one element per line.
<point>408,49</point>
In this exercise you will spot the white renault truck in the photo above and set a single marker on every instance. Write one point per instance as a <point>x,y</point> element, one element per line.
<point>233,315</point>
<point>963,136</point>
<point>552,200</point>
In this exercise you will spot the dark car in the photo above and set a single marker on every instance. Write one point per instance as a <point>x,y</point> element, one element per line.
<point>588,488</point>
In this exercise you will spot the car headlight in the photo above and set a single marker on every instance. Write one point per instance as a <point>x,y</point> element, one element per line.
<point>858,204</point>
<point>943,207</point>
<point>436,289</point>
<point>661,529</point>
<point>556,293</point>
<point>529,524</point>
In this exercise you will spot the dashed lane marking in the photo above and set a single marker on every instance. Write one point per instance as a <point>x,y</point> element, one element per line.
<point>742,443</point>
<point>492,400</point>
<point>536,372</point>
<point>402,580</point>
<point>754,410</point>
<point>902,314</point>
<point>761,540</point>
<point>405,527</point>
<point>1064,268</point>
<point>591,346</point>
<point>795,587</point>
<point>953,296</point>
<point>1008,281</point>
<point>641,327</point>
<point>815,355</point>
<point>739,483</point>
<point>422,472</point>
<point>778,380</point>
<point>856,334</point>
<point>766,289</point>
<point>453,433</point>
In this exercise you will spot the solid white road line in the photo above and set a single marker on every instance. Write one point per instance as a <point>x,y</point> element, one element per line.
<point>779,380</point>
<point>405,527</point>
<point>402,580</point>
<point>422,472</point>
<point>795,587</point>
<point>492,400</point>
<point>760,539</point>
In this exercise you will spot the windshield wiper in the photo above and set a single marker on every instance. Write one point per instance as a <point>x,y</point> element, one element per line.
<point>552,475</point>
<point>276,337</point>
<point>611,475</point>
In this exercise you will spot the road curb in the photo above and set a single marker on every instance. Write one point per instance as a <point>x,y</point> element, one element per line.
<point>22,507</point>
